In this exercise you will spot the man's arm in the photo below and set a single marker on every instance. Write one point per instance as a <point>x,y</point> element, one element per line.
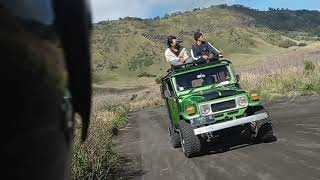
<point>212,48</point>
<point>193,53</point>
<point>184,54</point>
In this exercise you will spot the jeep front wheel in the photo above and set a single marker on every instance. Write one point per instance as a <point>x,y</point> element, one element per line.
<point>191,144</point>
<point>265,131</point>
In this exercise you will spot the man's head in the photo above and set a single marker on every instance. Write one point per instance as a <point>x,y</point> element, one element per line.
<point>172,42</point>
<point>198,36</point>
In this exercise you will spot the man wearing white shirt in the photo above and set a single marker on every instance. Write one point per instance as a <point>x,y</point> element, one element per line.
<point>175,53</point>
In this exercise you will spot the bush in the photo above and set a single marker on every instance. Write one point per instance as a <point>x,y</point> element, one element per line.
<point>145,74</point>
<point>158,80</point>
<point>140,60</point>
<point>287,43</point>
<point>302,44</point>
<point>113,66</point>
<point>309,66</point>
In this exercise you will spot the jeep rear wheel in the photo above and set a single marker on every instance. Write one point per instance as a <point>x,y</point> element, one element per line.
<point>174,137</point>
<point>191,144</point>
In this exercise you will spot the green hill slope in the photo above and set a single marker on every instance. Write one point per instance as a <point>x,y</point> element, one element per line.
<point>130,47</point>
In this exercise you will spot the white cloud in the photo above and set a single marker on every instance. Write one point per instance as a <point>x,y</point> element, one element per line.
<point>114,9</point>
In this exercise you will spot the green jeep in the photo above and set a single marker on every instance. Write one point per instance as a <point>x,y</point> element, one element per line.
<point>204,100</point>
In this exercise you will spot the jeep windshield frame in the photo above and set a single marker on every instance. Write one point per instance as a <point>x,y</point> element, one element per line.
<point>197,74</point>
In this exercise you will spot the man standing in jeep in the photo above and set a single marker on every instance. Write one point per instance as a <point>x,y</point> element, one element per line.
<point>203,49</point>
<point>175,53</point>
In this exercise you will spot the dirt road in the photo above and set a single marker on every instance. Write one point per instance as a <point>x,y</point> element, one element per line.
<point>294,156</point>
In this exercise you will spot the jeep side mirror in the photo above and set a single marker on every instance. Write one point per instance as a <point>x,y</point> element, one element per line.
<point>167,93</point>
<point>238,77</point>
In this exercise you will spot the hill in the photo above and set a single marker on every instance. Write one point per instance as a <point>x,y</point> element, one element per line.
<point>133,47</point>
<point>283,19</point>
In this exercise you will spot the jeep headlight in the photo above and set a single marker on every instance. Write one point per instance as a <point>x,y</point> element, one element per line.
<point>205,109</point>
<point>242,101</point>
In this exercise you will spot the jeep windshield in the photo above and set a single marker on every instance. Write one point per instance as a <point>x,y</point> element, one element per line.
<point>204,77</point>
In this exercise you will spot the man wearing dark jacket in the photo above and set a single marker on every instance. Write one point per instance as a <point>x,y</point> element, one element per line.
<point>203,49</point>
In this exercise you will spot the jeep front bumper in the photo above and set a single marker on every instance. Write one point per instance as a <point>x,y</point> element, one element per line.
<point>231,123</point>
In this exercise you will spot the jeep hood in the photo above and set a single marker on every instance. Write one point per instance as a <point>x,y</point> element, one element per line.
<point>211,94</point>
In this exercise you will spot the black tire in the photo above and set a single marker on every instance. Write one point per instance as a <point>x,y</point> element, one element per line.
<point>174,137</point>
<point>191,144</point>
<point>265,131</point>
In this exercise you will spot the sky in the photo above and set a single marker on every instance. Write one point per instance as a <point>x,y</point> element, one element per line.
<point>114,9</point>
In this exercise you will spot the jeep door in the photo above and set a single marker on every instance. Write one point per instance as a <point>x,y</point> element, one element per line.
<point>172,103</point>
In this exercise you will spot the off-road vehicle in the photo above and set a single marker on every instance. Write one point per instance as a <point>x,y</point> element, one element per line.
<point>204,100</point>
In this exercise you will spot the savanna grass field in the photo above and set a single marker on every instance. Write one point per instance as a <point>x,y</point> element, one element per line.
<point>275,53</point>
<point>295,73</point>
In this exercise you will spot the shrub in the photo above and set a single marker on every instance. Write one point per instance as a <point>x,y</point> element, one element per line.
<point>145,74</point>
<point>158,80</point>
<point>309,66</point>
<point>142,59</point>
<point>287,43</point>
<point>302,44</point>
<point>113,66</point>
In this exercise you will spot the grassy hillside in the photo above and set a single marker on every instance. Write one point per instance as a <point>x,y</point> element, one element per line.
<point>131,47</point>
<point>283,19</point>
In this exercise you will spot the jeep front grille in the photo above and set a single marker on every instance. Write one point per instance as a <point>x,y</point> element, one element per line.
<point>223,106</point>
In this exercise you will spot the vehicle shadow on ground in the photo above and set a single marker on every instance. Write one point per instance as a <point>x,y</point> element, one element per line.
<point>229,144</point>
